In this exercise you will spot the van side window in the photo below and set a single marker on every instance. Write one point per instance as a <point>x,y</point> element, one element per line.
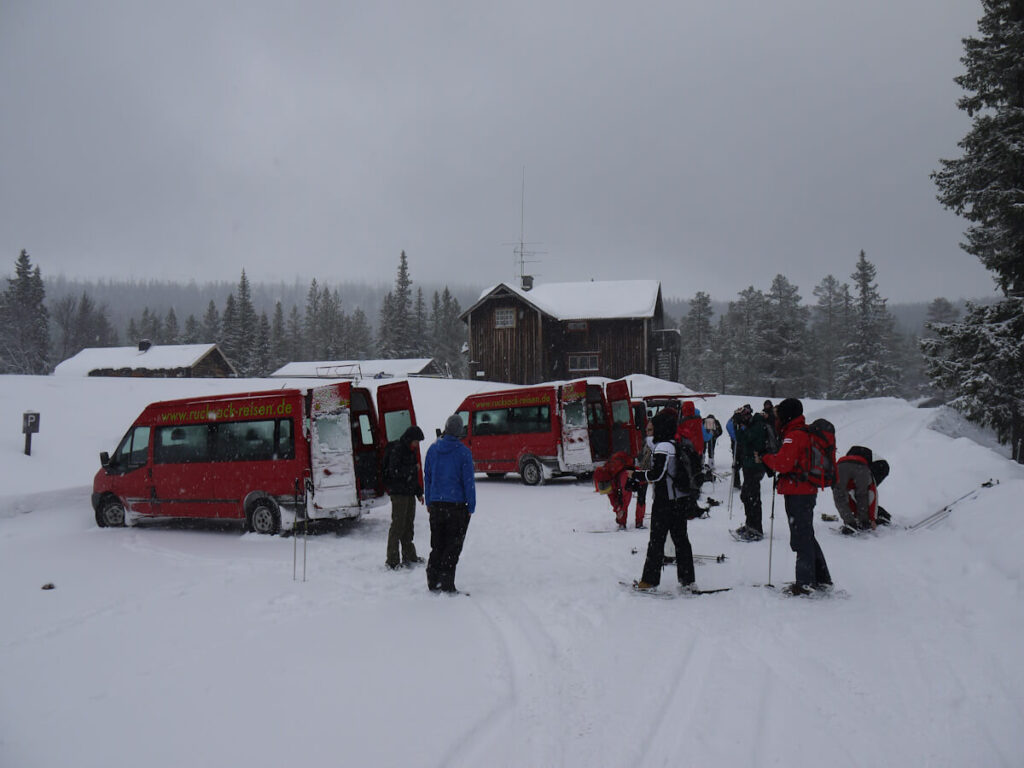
<point>396,422</point>
<point>285,440</point>
<point>245,441</point>
<point>362,430</point>
<point>491,422</point>
<point>530,419</point>
<point>185,444</point>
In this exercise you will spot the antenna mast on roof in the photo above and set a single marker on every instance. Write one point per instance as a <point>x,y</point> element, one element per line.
<point>522,254</point>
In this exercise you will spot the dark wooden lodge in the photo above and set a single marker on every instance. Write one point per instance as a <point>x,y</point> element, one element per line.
<point>561,331</point>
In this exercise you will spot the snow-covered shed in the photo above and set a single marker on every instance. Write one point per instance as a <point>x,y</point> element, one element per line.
<point>175,361</point>
<point>402,368</point>
<point>529,334</point>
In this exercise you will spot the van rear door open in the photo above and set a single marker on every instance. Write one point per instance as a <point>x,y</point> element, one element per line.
<point>575,435</point>
<point>395,414</point>
<point>330,446</point>
<point>625,436</point>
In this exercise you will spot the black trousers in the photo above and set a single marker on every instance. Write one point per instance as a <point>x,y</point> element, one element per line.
<point>750,495</point>
<point>811,567</point>
<point>668,518</point>
<point>448,525</point>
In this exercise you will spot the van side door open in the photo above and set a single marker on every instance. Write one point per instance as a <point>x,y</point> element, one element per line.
<point>331,458</point>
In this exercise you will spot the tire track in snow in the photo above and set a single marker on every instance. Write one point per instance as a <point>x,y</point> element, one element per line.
<point>540,715</point>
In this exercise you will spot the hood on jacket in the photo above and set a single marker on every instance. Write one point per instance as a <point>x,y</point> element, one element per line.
<point>664,426</point>
<point>688,409</point>
<point>411,434</point>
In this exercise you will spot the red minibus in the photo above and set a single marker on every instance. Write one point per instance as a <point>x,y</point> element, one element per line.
<point>548,430</point>
<point>269,458</point>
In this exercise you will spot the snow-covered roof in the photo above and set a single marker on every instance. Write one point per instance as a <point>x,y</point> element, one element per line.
<point>156,358</point>
<point>366,369</point>
<point>592,300</point>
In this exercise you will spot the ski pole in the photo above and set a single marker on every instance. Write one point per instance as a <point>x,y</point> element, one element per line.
<point>771,532</point>
<point>731,489</point>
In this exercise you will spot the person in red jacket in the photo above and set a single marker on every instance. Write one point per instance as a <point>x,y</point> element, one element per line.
<point>800,495</point>
<point>691,426</point>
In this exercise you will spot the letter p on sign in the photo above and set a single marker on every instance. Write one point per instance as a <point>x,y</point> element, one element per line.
<point>29,426</point>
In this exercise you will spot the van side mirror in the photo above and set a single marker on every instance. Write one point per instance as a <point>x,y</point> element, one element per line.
<point>437,432</point>
<point>104,459</point>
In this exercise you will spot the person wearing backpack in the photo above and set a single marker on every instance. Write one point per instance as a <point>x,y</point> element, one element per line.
<point>669,509</point>
<point>713,431</point>
<point>751,441</point>
<point>792,463</point>
<point>402,482</point>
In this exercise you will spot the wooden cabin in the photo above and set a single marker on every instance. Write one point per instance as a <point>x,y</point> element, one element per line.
<point>561,331</point>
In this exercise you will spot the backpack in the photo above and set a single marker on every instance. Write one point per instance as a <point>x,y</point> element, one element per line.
<point>820,468</point>
<point>688,468</point>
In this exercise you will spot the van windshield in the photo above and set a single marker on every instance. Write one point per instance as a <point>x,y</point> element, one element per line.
<point>134,448</point>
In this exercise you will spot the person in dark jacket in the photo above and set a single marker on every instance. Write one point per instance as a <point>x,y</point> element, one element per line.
<point>751,441</point>
<point>800,496</point>
<point>403,485</point>
<point>449,488</point>
<point>668,511</point>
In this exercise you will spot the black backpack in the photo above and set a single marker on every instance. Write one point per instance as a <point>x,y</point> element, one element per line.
<point>688,468</point>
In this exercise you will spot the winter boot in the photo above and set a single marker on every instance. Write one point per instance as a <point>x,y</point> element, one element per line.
<point>641,511</point>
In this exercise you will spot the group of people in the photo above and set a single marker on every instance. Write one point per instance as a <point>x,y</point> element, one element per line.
<point>773,442</point>
<point>449,491</point>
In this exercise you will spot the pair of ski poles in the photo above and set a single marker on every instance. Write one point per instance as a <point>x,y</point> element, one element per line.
<point>771,522</point>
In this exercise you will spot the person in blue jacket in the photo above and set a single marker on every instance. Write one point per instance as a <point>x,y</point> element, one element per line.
<point>449,489</point>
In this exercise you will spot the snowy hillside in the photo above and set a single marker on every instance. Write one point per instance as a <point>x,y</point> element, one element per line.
<point>170,646</point>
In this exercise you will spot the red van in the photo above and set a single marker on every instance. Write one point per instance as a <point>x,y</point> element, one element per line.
<point>268,458</point>
<point>548,430</point>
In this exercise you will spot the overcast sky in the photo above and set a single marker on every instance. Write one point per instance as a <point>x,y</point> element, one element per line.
<point>710,145</point>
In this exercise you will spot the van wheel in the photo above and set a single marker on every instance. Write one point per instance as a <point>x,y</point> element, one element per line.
<point>531,472</point>
<point>110,514</point>
<point>264,517</point>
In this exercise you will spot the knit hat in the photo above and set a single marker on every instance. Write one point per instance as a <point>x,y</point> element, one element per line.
<point>412,433</point>
<point>664,426</point>
<point>453,426</point>
<point>788,410</point>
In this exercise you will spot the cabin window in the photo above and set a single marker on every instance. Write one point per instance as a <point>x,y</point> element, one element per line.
<point>576,325</point>
<point>505,318</point>
<point>586,362</point>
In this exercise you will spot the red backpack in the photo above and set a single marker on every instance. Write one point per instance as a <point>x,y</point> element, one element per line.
<point>819,467</point>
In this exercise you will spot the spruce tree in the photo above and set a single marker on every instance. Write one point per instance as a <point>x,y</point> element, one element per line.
<point>981,360</point>
<point>24,321</point>
<point>296,345</point>
<point>260,361</point>
<point>829,331</point>
<point>172,334</point>
<point>229,335</point>
<point>746,321</point>
<point>312,322</point>
<point>986,184</point>
<point>695,330</point>
<point>866,367</point>
<point>210,330</point>
<point>278,339</point>
<point>421,333</point>
<point>360,336</point>
<point>246,329</point>
<point>786,365</point>
<point>193,333</point>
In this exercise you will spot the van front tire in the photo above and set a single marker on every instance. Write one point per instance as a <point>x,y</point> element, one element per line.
<point>110,513</point>
<point>531,472</point>
<point>264,517</point>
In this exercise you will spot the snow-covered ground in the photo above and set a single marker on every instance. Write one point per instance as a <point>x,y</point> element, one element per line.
<point>169,646</point>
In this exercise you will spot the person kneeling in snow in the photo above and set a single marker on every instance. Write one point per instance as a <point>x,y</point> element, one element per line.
<point>855,492</point>
<point>668,512</point>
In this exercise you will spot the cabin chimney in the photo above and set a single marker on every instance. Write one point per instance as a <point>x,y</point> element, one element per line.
<point>527,282</point>
<point>144,344</point>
